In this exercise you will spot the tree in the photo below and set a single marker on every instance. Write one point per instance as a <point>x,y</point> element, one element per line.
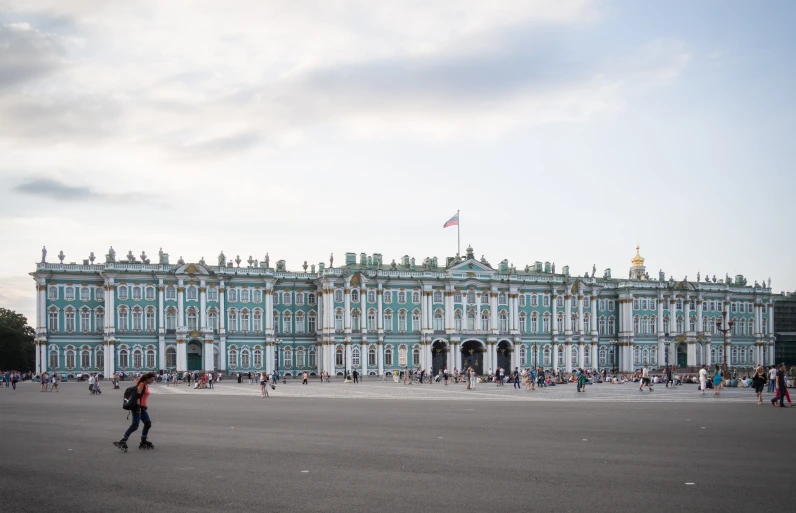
<point>17,349</point>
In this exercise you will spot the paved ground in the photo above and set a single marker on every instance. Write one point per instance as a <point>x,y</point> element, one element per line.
<point>229,450</point>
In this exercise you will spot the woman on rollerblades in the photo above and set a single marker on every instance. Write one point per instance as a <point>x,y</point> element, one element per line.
<point>140,413</point>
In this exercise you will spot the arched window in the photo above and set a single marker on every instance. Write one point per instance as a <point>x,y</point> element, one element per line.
<point>287,324</point>
<point>232,295</point>
<point>742,354</point>
<point>338,320</point>
<point>546,323</point>
<point>52,293</point>
<point>313,361</point>
<point>137,319</point>
<point>212,319</point>
<point>502,298</point>
<point>244,295</point>
<point>680,326</point>
<point>85,358</point>
<point>339,356</point>
<point>645,325</point>
<point>212,293</point>
<point>216,358</point>
<point>150,293</point>
<point>471,320</point>
<point>471,298</point>
<point>258,357</point>
<point>692,323</point>
<point>138,358</point>
<point>587,356</point>
<point>560,356</point>
<point>70,358</point>
<point>485,298</point>
<point>122,292</point>
<point>245,321</point>
<point>611,326</point>
<point>636,324</point>
<point>232,320</point>
<point>574,355</point>
<point>100,357</point>
<point>338,296</point>
<point>504,321</point>
<point>171,293</point>
<point>85,295</point>
<point>402,354</point>
<point>415,356</point>
<point>245,360</point>
<point>85,320</point>
<point>645,356</point>
<point>192,319</point>
<point>636,304</point>
<point>355,296</point>
<point>124,359</point>
<point>355,324</point>
<point>371,356</point>
<point>560,322</point>
<point>388,320</point>
<point>355,356</point>
<point>371,296</point>
<point>416,297</point>
<point>372,320</point>
<point>149,319</point>
<point>601,325</point>
<point>287,298</point>
<point>602,357</point>
<point>485,320</point>
<point>457,320</point>
<point>653,324</point>
<point>171,319</point>
<point>232,357</point>
<point>654,356</point>
<point>438,326</point>
<point>534,300</point>
<point>388,357</point>
<point>636,355</point>
<point>523,356</point>
<point>402,320</point>
<point>457,296</point>
<point>69,316</point>
<point>171,358</point>
<point>415,321</point>
<point>257,296</point>
<point>523,325</point>
<point>190,293</point>
<point>546,355</point>
<point>150,358</point>
<point>437,296</point>
<point>300,322</point>
<point>401,296</point>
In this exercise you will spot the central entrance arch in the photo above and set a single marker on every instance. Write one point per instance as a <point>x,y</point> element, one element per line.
<point>504,350</point>
<point>194,355</point>
<point>439,356</point>
<point>473,356</point>
<point>682,355</point>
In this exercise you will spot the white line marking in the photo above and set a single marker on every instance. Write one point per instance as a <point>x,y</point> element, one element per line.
<point>305,471</point>
<point>690,484</point>
<point>585,439</point>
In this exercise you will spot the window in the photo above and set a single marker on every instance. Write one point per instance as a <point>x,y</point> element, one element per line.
<point>636,325</point>
<point>212,319</point>
<point>437,296</point>
<point>611,305</point>
<point>85,320</point>
<point>402,353</point>
<point>355,320</point>
<point>150,358</point>
<point>560,356</point>
<point>232,321</point>
<point>99,294</point>
<point>311,322</point>
<point>546,300</point>
<point>438,321</point>
<point>171,293</point>
<point>692,324</point>
<point>300,357</point>
<point>636,355</point>
<point>388,320</point>
<point>653,304</point>
<point>371,320</point>
<point>212,294</point>
<point>635,304</point>
<point>388,296</point>
<point>69,293</point>
<point>70,359</point>
<point>299,322</point>
<point>85,359</point>
<point>679,304</point>
<point>601,326</point>
<point>485,298</point>
<point>559,301</point>
<point>388,357</point>
<point>611,327</point>
<point>150,293</point>
<point>457,297</point>
<point>504,322</point>
<point>485,320</point>
<point>338,320</point>
<point>124,359</point>
<point>244,296</point>
<point>287,357</point>
<point>171,319</point>
<point>287,299</point>
<point>311,299</point>
<point>416,297</point>
<point>232,357</point>
<point>522,324</point>
<point>415,321</point>
<point>573,302</point>
<point>401,297</point>
<point>313,361</point>
<point>137,319</point>
<point>136,293</point>
<point>546,324</point>
<point>338,296</point>
<point>534,300</point>
<point>523,356</point>
<point>587,302</point>
<point>232,296</point>
<point>138,359</point>
<point>560,322</point>
<point>257,296</point>
<point>70,320</point>
<point>99,319</point>
<point>275,298</point>
<point>245,361</point>
<point>355,296</point>
<point>53,359</point>
<point>52,293</point>
<point>257,326</point>
<point>546,356</point>
<point>416,356</point>
<point>150,319</point>
<point>171,357</point>
<point>457,320</point>
<point>245,321</point>
<point>680,326</point>
<point>85,295</point>
<point>299,298</point>
<point>355,356</point>
<point>502,298</point>
<point>653,324</point>
<point>521,298</point>
<point>471,298</point>
<point>402,320</point>
<point>372,356</point>
<point>338,356</point>
<point>371,296</point>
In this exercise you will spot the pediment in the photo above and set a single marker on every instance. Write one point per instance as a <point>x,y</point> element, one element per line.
<point>472,265</point>
<point>192,269</point>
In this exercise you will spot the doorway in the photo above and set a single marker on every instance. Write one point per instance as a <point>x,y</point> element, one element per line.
<point>439,357</point>
<point>473,356</point>
<point>194,355</point>
<point>504,357</point>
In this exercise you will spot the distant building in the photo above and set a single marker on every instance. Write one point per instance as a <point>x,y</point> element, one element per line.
<point>132,315</point>
<point>785,328</point>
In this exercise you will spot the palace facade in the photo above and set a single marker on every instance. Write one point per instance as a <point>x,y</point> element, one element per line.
<point>132,315</point>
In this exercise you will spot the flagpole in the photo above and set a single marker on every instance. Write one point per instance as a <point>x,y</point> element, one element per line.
<point>458,236</point>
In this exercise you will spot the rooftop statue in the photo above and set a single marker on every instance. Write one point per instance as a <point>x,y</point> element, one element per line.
<point>222,260</point>
<point>331,260</point>
<point>250,261</point>
<point>554,267</point>
<point>698,277</point>
<point>61,256</point>
<point>393,266</point>
<point>180,261</point>
<point>237,260</point>
<point>91,257</point>
<point>202,261</point>
<point>111,256</point>
<point>143,256</point>
<point>714,278</point>
<point>43,254</point>
<point>305,266</point>
<point>130,256</point>
<point>267,260</point>
<point>593,270</point>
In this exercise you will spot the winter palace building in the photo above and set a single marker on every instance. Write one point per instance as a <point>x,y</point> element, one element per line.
<point>132,315</point>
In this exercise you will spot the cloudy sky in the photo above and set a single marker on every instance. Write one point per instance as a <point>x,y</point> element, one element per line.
<point>564,130</point>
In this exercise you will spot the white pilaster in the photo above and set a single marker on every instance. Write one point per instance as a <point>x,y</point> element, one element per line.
<point>363,358</point>
<point>203,305</point>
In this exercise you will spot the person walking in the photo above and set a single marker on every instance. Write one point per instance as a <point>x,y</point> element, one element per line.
<point>55,381</point>
<point>759,381</point>
<point>473,378</point>
<point>263,384</point>
<point>140,412</point>
<point>717,380</point>
<point>305,377</point>
<point>645,379</point>
<point>780,386</point>
<point>532,378</point>
<point>356,376</point>
<point>445,375</point>
<point>703,379</point>
<point>516,376</point>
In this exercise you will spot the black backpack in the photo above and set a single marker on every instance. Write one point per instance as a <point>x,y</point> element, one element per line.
<point>131,398</point>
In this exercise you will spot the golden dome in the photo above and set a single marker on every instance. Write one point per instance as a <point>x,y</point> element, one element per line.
<point>638,260</point>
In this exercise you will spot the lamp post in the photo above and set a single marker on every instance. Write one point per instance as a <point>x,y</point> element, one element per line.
<point>729,324</point>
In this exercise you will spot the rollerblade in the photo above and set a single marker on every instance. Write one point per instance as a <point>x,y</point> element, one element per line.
<point>145,444</point>
<point>121,445</point>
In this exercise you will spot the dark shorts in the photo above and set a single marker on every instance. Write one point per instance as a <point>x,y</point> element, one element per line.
<point>759,388</point>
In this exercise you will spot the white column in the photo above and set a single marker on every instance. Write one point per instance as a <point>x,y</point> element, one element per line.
<point>515,313</point>
<point>554,318</point>
<point>700,325</point>
<point>770,319</point>
<point>567,319</point>
<point>568,355</point>
<point>222,312</point>
<point>380,311</point>
<point>182,355</point>
<point>448,310</point>
<point>423,312</point>
<point>771,353</point>
<point>580,319</point>
<point>380,351</point>
<point>202,304</point>
<point>581,355</point>
<point>493,314</point>
<point>348,355</point>
<point>555,356</point>
<point>180,308</point>
<point>363,306</point>
<point>207,351</point>
<point>672,315</point>
<point>661,330</point>
<point>363,357</point>
<point>593,320</point>
<point>595,356</point>
<point>110,307</point>
<point>347,315</point>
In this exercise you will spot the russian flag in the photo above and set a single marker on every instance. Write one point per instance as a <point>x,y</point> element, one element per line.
<point>453,221</point>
